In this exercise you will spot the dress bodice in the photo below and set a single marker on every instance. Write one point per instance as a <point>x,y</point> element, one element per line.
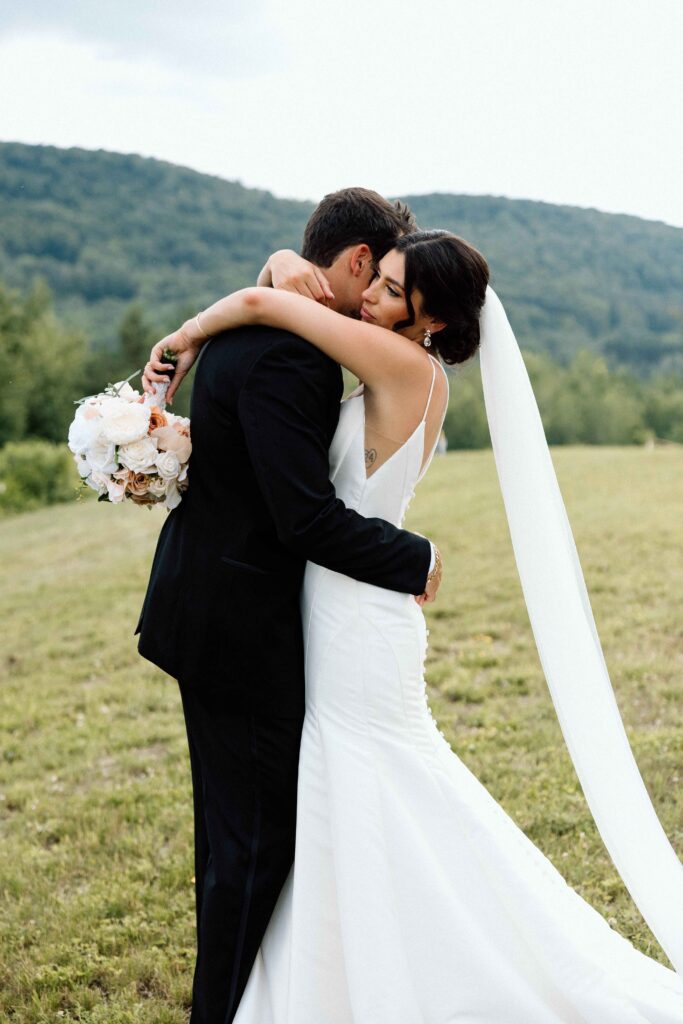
<point>387,493</point>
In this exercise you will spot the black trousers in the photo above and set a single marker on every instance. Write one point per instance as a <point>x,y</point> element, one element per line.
<point>244,776</point>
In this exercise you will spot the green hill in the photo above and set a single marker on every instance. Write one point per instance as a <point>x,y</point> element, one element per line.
<point>105,230</point>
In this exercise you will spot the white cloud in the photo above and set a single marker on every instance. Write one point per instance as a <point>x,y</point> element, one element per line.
<point>209,37</point>
<point>570,101</point>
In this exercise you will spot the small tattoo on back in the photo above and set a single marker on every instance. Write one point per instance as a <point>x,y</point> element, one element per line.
<point>370,456</point>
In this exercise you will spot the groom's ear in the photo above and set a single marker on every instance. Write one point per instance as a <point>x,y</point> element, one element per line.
<point>360,258</point>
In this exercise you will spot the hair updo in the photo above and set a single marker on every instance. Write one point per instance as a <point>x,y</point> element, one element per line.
<point>452,277</point>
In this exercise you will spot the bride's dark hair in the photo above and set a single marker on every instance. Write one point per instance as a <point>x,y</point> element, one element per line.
<point>452,276</point>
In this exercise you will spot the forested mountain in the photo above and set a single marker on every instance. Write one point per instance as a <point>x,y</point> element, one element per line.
<point>106,230</point>
<point>573,278</point>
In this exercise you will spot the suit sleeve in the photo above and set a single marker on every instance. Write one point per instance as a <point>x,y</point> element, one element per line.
<point>283,408</point>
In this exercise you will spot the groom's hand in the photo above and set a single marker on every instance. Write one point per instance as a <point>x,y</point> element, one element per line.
<point>433,580</point>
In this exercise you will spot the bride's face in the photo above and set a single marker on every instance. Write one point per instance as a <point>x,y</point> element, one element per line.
<point>384,301</point>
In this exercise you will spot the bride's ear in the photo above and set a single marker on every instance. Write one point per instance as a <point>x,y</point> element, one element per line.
<point>436,325</point>
<point>360,257</point>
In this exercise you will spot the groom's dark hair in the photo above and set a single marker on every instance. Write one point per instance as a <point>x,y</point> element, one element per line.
<point>354,216</point>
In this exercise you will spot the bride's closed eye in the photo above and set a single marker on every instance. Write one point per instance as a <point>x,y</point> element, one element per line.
<point>392,291</point>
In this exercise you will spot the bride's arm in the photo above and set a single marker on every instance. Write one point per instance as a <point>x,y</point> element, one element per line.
<point>287,270</point>
<point>372,353</point>
<point>284,269</point>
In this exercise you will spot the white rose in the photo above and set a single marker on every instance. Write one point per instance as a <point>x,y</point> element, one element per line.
<point>158,486</point>
<point>126,392</point>
<point>116,490</point>
<point>173,496</point>
<point>105,484</point>
<point>83,466</point>
<point>123,422</point>
<point>168,465</point>
<point>101,455</point>
<point>98,481</point>
<point>139,455</point>
<point>84,429</point>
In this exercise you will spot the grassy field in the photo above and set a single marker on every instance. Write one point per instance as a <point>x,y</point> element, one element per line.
<point>96,904</point>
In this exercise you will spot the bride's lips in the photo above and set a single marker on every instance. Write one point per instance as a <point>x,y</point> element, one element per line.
<point>364,315</point>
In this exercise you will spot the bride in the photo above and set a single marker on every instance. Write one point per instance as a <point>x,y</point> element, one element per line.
<point>414,897</point>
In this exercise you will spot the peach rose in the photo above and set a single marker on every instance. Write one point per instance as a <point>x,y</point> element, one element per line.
<point>137,484</point>
<point>143,499</point>
<point>156,418</point>
<point>182,426</point>
<point>171,441</point>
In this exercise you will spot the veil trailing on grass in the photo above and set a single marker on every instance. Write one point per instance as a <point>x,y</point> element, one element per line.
<point>567,639</point>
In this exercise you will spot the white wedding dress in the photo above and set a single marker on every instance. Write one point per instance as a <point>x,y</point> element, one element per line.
<point>414,898</point>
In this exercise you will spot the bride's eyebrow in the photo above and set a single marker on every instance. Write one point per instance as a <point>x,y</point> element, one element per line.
<point>394,281</point>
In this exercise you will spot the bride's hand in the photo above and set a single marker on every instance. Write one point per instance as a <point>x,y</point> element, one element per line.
<point>287,270</point>
<point>185,343</point>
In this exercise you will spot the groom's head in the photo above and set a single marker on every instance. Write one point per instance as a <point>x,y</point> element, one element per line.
<point>346,236</point>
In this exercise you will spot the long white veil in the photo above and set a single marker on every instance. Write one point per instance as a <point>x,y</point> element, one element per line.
<point>567,639</point>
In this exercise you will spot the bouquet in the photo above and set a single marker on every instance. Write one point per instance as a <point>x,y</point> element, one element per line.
<point>130,449</point>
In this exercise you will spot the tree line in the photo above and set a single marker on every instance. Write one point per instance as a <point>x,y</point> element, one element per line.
<point>106,231</point>
<point>47,366</point>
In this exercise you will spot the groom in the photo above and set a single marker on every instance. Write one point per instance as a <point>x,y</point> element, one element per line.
<point>221,613</point>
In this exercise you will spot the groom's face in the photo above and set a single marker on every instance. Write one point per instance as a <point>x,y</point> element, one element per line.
<point>358,286</point>
<point>350,275</point>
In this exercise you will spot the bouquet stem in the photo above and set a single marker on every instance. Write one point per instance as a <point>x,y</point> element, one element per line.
<point>158,398</point>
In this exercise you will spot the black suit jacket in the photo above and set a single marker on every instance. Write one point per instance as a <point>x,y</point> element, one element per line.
<point>222,604</point>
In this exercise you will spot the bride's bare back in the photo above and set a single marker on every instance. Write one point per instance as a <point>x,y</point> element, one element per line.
<point>392,418</point>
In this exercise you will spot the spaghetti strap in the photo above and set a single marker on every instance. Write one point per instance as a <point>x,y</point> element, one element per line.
<point>427,459</point>
<point>431,390</point>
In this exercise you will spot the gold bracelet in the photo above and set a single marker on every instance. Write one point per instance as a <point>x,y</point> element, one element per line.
<point>438,566</point>
<point>201,329</point>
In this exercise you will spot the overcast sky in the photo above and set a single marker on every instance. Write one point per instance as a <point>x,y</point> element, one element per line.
<point>570,101</point>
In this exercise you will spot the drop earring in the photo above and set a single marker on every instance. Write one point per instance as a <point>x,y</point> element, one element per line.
<point>427,338</point>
